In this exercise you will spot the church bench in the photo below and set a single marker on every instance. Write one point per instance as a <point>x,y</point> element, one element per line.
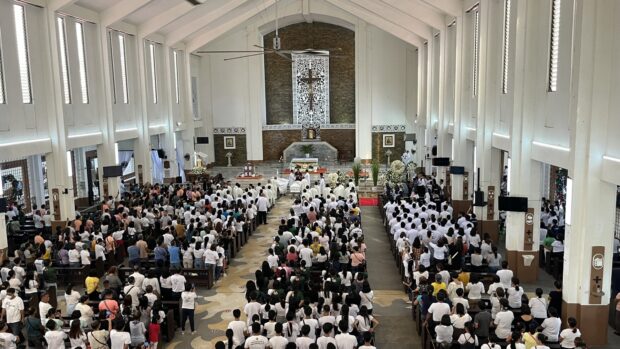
<point>74,275</point>
<point>198,277</point>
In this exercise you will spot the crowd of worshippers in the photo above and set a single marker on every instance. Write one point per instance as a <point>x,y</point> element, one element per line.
<point>312,290</point>
<point>159,231</point>
<point>443,261</point>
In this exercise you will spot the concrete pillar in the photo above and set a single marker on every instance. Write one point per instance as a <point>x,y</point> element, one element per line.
<point>35,170</point>
<point>363,106</point>
<point>591,210</point>
<point>256,93</point>
<point>142,146</point>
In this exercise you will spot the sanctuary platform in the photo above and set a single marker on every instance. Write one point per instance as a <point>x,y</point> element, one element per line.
<point>323,151</point>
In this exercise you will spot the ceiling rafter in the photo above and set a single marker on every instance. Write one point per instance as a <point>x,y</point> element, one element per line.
<point>220,29</point>
<point>379,22</point>
<point>452,7</point>
<point>419,10</point>
<point>121,10</point>
<point>164,18</point>
<point>397,17</point>
<point>56,5</point>
<point>211,14</point>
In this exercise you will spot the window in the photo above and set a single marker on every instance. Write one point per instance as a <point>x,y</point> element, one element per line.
<point>506,50</point>
<point>153,74</point>
<point>22,52</point>
<point>175,62</point>
<point>476,14</point>
<point>2,93</point>
<point>554,45</point>
<point>64,66</point>
<point>112,66</point>
<point>79,33</point>
<point>123,60</point>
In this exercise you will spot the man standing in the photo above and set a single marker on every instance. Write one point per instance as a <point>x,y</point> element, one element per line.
<point>13,308</point>
<point>263,205</point>
<point>321,185</point>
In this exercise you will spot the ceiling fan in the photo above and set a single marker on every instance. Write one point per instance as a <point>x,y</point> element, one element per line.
<point>276,48</point>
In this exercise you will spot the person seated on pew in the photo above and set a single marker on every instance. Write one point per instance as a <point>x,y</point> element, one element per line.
<point>476,259</point>
<point>505,275</point>
<point>515,294</point>
<point>552,325</point>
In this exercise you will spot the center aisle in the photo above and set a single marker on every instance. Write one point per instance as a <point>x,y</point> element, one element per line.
<point>214,311</point>
<point>396,328</point>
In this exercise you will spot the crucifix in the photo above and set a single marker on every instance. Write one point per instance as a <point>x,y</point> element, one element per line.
<point>310,81</point>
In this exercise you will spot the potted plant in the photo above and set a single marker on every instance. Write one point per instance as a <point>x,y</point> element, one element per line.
<point>374,168</point>
<point>356,169</point>
<point>307,149</point>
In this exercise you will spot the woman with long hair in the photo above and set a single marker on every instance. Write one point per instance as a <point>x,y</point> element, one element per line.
<point>568,336</point>
<point>365,322</point>
<point>366,296</point>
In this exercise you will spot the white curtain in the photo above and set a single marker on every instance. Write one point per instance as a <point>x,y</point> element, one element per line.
<point>158,167</point>
<point>125,158</point>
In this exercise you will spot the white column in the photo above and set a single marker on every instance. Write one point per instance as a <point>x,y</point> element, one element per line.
<point>57,163</point>
<point>460,142</point>
<point>142,146</point>
<point>256,93</point>
<point>35,171</point>
<point>363,92</point>
<point>168,137</point>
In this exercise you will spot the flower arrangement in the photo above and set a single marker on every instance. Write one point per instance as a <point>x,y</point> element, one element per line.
<point>199,171</point>
<point>357,169</point>
<point>375,172</point>
<point>397,166</point>
<point>411,167</point>
<point>332,178</point>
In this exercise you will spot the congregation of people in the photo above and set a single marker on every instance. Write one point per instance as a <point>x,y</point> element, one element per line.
<point>137,254</point>
<point>461,287</point>
<point>312,291</point>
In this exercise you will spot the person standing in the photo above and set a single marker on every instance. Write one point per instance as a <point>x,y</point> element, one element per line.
<point>188,306</point>
<point>13,309</point>
<point>262,203</point>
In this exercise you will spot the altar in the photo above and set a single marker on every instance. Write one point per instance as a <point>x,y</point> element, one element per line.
<point>304,164</point>
<point>323,151</point>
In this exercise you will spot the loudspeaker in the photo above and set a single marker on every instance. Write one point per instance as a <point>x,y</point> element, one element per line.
<point>202,140</point>
<point>441,162</point>
<point>457,170</point>
<point>3,205</point>
<point>434,150</point>
<point>179,179</point>
<point>479,198</point>
<point>161,153</point>
<point>512,203</point>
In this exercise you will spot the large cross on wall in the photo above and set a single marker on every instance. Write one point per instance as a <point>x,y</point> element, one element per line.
<point>310,75</point>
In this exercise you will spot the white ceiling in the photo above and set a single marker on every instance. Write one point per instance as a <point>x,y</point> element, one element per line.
<point>413,21</point>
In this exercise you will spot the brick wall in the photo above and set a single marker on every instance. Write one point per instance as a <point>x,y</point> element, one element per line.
<point>239,157</point>
<point>378,151</point>
<point>276,141</point>
<point>300,36</point>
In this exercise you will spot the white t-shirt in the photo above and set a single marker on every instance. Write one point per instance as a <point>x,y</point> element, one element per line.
<point>514,297</point>
<point>538,307</point>
<point>118,339</point>
<point>278,342</point>
<point>56,339</point>
<point>13,308</point>
<point>256,342</point>
<point>505,277</point>
<point>9,340</point>
<point>250,310</point>
<point>551,328</point>
<point>503,320</point>
<point>346,341</point>
<point>438,310</point>
<point>492,346</point>
<point>178,283</point>
<point>188,300</point>
<point>568,338</point>
<point>444,333</point>
<point>323,341</point>
<point>475,290</point>
<point>238,328</point>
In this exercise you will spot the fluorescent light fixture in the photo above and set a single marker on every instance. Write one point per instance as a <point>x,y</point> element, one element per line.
<point>127,129</point>
<point>470,128</point>
<point>116,153</point>
<point>24,142</point>
<point>69,167</point>
<point>606,157</point>
<point>568,213</point>
<point>85,135</point>
<point>501,135</point>
<point>475,166</point>
<point>557,147</point>
<point>509,164</point>
<point>157,126</point>
<point>451,124</point>
<point>174,140</point>
<point>452,151</point>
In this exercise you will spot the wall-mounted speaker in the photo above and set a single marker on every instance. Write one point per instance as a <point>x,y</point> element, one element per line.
<point>457,170</point>
<point>202,140</point>
<point>441,162</point>
<point>512,203</point>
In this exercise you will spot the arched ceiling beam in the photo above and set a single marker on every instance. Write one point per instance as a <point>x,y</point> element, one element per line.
<point>419,10</point>
<point>210,15</point>
<point>451,7</point>
<point>238,18</point>
<point>379,22</point>
<point>397,17</point>
<point>164,18</point>
<point>121,10</point>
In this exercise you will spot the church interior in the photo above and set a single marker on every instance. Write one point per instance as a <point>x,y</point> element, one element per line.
<point>138,135</point>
